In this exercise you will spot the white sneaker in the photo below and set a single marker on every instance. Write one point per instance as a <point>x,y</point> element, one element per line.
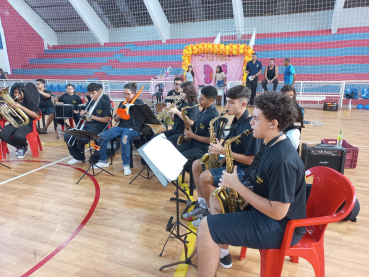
<point>74,161</point>
<point>127,170</point>
<point>102,164</point>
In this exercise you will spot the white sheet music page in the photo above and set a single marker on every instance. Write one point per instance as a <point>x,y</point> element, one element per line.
<point>165,157</point>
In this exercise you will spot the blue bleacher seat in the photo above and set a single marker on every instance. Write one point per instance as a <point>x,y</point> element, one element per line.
<point>64,88</point>
<point>365,93</point>
<point>58,88</point>
<point>51,87</point>
<point>84,88</point>
<point>79,88</point>
<point>351,93</point>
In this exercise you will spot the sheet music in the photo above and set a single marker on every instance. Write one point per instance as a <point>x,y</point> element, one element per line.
<point>165,157</point>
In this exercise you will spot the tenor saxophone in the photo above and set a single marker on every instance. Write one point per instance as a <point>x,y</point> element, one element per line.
<point>211,160</point>
<point>230,201</point>
<point>181,138</point>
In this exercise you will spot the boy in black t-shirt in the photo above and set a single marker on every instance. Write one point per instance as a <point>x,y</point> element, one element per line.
<point>99,118</point>
<point>243,152</point>
<point>189,95</point>
<point>46,106</point>
<point>278,196</point>
<point>70,98</point>
<point>176,91</point>
<point>126,130</point>
<point>200,137</point>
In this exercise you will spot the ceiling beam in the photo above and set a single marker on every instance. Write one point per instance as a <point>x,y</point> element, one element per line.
<point>239,19</point>
<point>337,15</point>
<point>35,21</point>
<point>158,17</point>
<point>92,20</point>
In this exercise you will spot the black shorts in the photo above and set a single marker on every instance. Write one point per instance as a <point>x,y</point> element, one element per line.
<point>250,228</point>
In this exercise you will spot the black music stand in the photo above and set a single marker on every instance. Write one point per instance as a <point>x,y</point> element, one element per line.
<point>90,136</point>
<point>172,227</point>
<point>143,114</point>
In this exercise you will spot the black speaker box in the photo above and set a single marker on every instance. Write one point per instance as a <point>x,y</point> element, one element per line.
<point>324,155</point>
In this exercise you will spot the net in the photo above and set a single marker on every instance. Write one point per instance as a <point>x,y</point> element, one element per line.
<point>325,41</point>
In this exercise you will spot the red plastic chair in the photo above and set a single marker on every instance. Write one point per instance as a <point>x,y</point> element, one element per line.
<point>71,124</point>
<point>34,139</point>
<point>330,189</point>
<point>3,146</point>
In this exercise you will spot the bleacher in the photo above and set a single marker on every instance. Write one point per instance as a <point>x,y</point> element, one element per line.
<point>316,56</point>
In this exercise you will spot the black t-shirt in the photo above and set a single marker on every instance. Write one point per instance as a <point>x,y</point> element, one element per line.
<point>247,145</point>
<point>102,109</point>
<point>30,117</point>
<point>280,176</point>
<point>71,99</point>
<point>131,122</point>
<point>172,93</point>
<point>191,113</point>
<point>45,101</point>
<point>202,125</point>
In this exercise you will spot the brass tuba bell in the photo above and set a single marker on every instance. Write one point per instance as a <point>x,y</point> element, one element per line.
<point>15,117</point>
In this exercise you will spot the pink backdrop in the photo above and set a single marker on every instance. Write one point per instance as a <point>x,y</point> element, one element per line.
<point>204,66</point>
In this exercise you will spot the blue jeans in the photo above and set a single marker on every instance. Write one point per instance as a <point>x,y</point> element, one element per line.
<point>220,83</point>
<point>125,135</point>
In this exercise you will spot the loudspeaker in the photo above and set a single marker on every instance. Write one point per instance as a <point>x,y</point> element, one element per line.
<point>324,155</point>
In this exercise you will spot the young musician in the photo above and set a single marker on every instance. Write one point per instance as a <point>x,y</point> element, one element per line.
<point>46,105</point>
<point>293,132</point>
<point>176,91</point>
<point>243,152</point>
<point>70,98</point>
<point>200,138</point>
<point>189,97</point>
<point>278,196</point>
<point>126,130</point>
<point>99,118</point>
<point>17,136</point>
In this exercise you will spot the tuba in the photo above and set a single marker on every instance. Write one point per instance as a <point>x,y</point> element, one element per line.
<point>15,117</point>
<point>230,201</point>
<point>181,138</point>
<point>211,160</point>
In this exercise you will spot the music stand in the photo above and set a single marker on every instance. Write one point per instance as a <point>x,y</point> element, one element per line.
<point>90,136</point>
<point>143,114</point>
<point>172,227</point>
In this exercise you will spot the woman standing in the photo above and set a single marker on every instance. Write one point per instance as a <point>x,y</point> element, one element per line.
<point>17,136</point>
<point>190,76</point>
<point>219,81</point>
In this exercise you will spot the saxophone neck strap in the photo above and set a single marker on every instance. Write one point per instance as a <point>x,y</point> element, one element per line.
<point>257,158</point>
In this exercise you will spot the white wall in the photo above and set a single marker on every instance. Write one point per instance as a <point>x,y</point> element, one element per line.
<point>355,17</point>
<point>3,61</point>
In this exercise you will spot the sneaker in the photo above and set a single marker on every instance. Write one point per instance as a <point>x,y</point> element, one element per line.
<point>196,223</point>
<point>195,212</point>
<point>17,152</point>
<point>127,170</point>
<point>22,152</point>
<point>102,164</point>
<point>226,261</point>
<point>74,161</point>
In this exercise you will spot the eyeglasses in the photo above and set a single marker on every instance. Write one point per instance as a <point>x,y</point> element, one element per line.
<point>127,94</point>
<point>177,84</point>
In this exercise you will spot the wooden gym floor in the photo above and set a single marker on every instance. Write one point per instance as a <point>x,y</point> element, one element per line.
<point>123,227</point>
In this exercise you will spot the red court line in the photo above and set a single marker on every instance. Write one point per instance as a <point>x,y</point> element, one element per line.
<point>79,228</point>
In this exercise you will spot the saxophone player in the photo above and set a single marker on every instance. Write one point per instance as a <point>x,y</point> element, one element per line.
<point>189,96</point>
<point>99,118</point>
<point>197,143</point>
<point>243,151</point>
<point>278,195</point>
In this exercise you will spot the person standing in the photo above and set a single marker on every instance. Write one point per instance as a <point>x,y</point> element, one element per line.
<point>270,76</point>
<point>3,75</point>
<point>46,106</point>
<point>289,72</point>
<point>176,91</point>
<point>253,69</point>
<point>219,81</point>
<point>190,76</point>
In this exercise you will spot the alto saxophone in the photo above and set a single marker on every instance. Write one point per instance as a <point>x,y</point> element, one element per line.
<point>181,138</point>
<point>211,160</point>
<point>165,113</point>
<point>230,201</point>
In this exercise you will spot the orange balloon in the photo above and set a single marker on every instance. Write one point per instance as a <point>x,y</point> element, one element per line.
<point>202,43</point>
<point>213,44</point>
<point>186,46</point>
